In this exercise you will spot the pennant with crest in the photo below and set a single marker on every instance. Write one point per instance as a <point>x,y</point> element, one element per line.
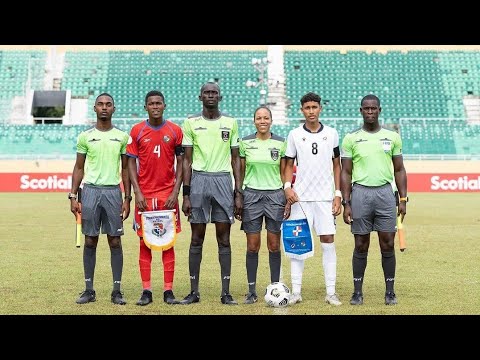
<point>159,229</point>
<point>297,239</point>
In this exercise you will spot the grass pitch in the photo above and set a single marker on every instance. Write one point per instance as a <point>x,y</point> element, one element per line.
<point>42,271</point>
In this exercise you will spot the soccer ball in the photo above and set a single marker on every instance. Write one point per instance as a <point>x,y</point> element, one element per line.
<point>277,294</point>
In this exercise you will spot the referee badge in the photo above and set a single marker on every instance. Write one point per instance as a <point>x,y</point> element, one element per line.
<point>225,135</point>
<point>387,145</point>
<point>274,154</point>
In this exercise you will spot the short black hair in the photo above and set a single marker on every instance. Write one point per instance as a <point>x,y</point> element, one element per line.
<point>210,83</point>
<point>262,107</point>
<point>311,96</point>
<point>370,97</point>
<point>105,94</point>
<point>154,93</point>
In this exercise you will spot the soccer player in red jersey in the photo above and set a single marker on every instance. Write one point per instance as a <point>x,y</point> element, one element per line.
<point>155,156</point>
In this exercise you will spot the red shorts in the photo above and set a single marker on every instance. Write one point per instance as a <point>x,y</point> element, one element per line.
<point>155,203</point>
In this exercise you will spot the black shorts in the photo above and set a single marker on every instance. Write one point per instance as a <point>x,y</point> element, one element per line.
<point>258,204</point>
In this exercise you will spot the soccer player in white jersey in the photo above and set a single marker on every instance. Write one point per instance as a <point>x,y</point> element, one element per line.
<point>316,194</point>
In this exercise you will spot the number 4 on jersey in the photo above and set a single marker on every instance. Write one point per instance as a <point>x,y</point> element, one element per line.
<point>156,150</point>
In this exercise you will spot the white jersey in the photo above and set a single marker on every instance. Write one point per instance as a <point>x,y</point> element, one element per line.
<point>314,153</point>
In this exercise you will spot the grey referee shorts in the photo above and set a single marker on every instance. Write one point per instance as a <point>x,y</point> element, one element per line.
<point>211,196</point>
<point>374,208</point>
<point>102,207</point>
<point>258,204</point>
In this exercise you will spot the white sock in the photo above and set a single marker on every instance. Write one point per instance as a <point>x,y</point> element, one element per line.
<point>329,266</point>
<point>296,267</point>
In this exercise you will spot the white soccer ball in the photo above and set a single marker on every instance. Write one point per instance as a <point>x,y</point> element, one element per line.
<point>277,294</point>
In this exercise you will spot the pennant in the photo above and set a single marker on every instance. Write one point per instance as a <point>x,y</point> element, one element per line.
<point>297,239</point>
<point>159,229</point>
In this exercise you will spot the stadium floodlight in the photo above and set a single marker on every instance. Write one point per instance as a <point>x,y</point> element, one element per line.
<point>261,66</point>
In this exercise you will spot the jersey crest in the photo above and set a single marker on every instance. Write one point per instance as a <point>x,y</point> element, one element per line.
<point>274,153</point>
<point>225,135</point>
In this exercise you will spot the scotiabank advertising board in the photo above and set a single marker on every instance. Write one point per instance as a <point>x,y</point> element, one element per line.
<point>35,182</point>
<point>62,182</point>
<point>441,183</point>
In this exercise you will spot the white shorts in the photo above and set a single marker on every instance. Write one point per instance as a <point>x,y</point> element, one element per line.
<point>319,216</point>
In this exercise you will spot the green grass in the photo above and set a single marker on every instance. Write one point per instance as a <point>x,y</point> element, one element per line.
<point>42,271</point>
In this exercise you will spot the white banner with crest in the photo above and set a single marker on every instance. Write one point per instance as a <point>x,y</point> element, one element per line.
<point>159,229</point>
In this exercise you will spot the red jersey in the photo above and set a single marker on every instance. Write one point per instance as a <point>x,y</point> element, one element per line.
<point>155,149</point>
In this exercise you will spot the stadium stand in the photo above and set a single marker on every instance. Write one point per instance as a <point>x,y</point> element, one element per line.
<point>422,92</point>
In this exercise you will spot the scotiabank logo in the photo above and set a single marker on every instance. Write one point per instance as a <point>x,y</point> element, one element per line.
<point>460,183</point>
<point>443,183</point>
<point>48,183</point>
<point>35,182</point>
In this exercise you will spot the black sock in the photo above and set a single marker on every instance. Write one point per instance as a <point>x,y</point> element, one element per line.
<point>275,262</point>
<point>389,265</point>
<point>359,264</point>
<point>116,260</point>
<point>252,266</point>
<point>225,259</point>
<point>89,261</point>
<point>194,260</point>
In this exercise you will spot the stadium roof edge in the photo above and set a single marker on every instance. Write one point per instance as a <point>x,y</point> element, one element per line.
<point>147,48</point>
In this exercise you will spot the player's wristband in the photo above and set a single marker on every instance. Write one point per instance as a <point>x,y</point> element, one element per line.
<point>338,193</point>
<point>287,185</point>
<point>186,190</point>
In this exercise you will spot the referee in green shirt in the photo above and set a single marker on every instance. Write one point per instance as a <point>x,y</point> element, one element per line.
<point>371,160</point>
<point>210,139</point>
<point>262,159</point>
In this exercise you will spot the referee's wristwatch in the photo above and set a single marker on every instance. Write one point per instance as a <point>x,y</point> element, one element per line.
<point>404,199</point>
<point>346,202</point>
<point>72,196</point>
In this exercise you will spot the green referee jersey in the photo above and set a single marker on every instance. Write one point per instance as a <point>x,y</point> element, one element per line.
<point>212,141</point>
<point>103,150</point>
<point>371,155</point>
<point>262,158</point>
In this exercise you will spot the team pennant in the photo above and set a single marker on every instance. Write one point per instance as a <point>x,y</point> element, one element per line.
<point>297,239</point>
<point>159,229</point>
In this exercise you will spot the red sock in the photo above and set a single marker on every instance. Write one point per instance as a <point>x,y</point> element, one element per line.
<point>145,263</point>
<point>168,259</point>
